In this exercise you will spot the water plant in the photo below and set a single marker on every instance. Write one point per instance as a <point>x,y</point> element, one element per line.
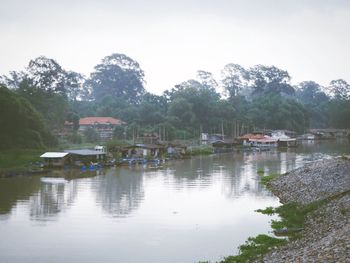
<point>261,171</point>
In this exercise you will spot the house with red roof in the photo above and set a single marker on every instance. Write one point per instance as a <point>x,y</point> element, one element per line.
<point>104,126</point>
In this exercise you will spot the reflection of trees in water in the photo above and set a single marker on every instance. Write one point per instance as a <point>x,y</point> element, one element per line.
<point>240,177</point>
<point>52,199</point>
<point>244,178</point>
<point>14,189</point>
<point>120,192</point>
<point>236,172</point>
<point>195,172</point>
<point>44,199</point>
<point>246,166</point>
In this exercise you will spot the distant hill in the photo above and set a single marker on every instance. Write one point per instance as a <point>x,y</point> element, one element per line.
<point>21,126</point>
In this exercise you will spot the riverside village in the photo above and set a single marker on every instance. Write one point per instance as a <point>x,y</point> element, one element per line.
<point>153,149</point>
<point>175,131</point>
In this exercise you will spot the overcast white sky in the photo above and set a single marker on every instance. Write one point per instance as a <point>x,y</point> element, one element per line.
<point>173,39</point>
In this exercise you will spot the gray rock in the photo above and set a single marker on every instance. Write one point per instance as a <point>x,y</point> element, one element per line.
<point>326,236</point>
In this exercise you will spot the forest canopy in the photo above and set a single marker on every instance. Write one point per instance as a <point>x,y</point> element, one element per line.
<point>21,126</point>
<point>259,97</point>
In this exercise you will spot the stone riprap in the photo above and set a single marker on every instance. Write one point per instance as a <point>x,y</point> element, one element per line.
<point>326,234</point>
<point>313,182</point>
<point>326,237</point>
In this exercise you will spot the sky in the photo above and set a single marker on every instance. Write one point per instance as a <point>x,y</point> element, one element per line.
<point>171,40</point>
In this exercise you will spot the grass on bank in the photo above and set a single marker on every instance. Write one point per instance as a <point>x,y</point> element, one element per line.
<point>254,248</point>
<point>199,150</point>
<point>17,160</point>
<point>261,171</point>
<point>292,219</point>
<point>266,179</point>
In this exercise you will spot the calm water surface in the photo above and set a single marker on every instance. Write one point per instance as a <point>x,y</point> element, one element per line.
<point>186,211</point>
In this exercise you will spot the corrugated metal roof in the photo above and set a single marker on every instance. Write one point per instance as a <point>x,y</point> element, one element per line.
<point>53,155</point>
<point>99,120</point>
<point>251,136</point>
<point>263,140</point>
<point>85,152</point>
<point>146,146</point>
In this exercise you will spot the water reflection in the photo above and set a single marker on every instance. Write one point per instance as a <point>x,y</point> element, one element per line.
<point>110,214</point>
<point>51,199</point>
<point>236,172</point>
<point>16,189</point>
<point>44,199</point>
<point>120,192</point>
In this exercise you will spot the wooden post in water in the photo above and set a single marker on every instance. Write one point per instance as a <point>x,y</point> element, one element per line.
<point>222,130</point>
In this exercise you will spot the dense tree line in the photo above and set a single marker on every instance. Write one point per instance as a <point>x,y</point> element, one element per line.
<point>260,97</point>
<point>21,126</point>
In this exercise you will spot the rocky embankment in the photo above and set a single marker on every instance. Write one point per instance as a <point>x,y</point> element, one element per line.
<point>326,234</point>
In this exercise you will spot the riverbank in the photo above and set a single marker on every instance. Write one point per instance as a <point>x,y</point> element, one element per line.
<point>314,216</point>
<point>18,162</point>
<point>326,233</point>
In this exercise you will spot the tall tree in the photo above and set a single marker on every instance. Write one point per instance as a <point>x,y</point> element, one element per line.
<point>118,76</point>
<point>207,80</point>
<point>46,74</point>
<point>43,83</point>
<point>235,78</point>
<point>273,111</point>
<point>53,106</point>
<point>13,80</point>
<point>310,92</point>
<point>311,95</point>
<point>339,89</point>
<point>74,86</point>
<point>21,125</point>
<point>200,104</point>
<point>269,79</point>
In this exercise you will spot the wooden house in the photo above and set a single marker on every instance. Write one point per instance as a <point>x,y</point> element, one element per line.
<point>244,140</point>
<point>86,156</point>
<point>104,126</point>
<point>175,150</point>
<point>144,150</point>
<point>55,159</point>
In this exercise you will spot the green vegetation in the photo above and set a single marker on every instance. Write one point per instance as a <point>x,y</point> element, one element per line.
<point>265,179</point>
<point>293,215</point>
<point>43,96</point>
<point>18,160</point>
<point>115,147</point>
<point>255,98</point>
<point>261,171</point>
<point>255,248</point>
<point>292,219</point>
<point>21,126</point>
<point>199,150</point>
<point>267,211</point>
<point>291,223</point>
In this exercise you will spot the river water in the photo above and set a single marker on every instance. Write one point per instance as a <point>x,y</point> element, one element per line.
<point>186,211</point>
